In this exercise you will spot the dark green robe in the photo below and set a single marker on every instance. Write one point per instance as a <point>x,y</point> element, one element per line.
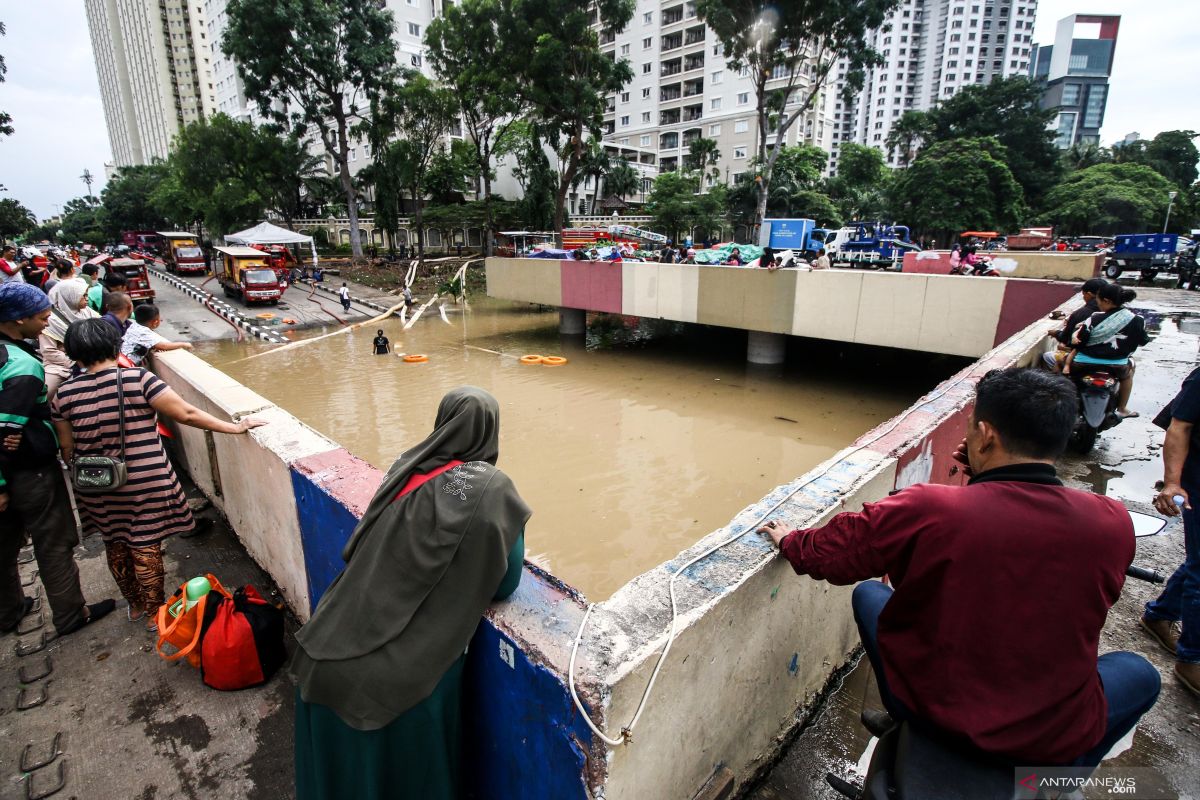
<point>417,756</point>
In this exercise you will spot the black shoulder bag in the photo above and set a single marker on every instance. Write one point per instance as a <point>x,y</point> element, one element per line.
<point>103,474</point>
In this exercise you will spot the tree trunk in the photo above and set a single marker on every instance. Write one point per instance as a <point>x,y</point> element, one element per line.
<point>343,159</point>
<point>418,216</point>
<point>489,214</point>
<point>564,184</point>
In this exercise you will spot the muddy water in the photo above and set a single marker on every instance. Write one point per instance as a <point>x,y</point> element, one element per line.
<point>653,434</point>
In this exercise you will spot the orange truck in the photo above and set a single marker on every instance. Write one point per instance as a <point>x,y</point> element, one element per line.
<point>246,273</point>
<point>182,253</point>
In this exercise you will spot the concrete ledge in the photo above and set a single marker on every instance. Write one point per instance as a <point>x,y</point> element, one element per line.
<point>1015,264</point>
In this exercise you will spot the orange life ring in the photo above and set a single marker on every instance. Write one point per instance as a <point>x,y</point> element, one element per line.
<point>531,360</point>
<point>289,321</point>
<point>416,358</point>
<point>553,361</point>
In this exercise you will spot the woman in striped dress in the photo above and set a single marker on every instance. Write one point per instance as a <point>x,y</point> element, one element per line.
<point>134,519</point>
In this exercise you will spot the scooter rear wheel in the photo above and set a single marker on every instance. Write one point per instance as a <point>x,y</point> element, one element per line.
<point>1083,439</point>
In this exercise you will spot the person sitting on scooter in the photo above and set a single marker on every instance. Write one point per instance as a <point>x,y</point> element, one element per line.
<point>1054,358</point>
<point>1108,338</point>
<point>1002,587</point>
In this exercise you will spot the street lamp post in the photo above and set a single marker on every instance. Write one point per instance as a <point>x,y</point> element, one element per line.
<point>1170,202</point>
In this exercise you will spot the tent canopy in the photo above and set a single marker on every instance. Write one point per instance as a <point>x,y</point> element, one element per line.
<point>266,233</point>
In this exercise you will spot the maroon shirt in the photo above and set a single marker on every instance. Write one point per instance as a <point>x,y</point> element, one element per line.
<point>1002,587</point>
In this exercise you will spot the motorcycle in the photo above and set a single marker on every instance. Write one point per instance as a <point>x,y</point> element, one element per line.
<point>1097,405</point>
<point>981,267</point>
<point>914,763</point>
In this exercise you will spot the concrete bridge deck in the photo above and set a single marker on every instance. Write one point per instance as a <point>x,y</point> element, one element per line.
<point>931,313</point>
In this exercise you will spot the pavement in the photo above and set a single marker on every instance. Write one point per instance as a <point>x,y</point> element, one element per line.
<point>1125,464</point>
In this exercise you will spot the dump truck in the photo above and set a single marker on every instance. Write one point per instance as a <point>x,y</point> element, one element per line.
<point>182,253</point>
<point>137,279</point>
<point>245,272</point>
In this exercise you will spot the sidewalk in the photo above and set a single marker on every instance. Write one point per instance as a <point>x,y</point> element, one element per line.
<point>131,724</point>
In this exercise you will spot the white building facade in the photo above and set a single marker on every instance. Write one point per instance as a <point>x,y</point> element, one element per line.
<point>154,70</point>
<point>931,50</point>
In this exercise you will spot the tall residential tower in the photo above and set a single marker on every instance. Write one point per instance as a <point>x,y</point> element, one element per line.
<point>1075,70</point>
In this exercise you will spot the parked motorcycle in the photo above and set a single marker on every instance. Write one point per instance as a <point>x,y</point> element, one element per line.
<point>1097,405</point>
<point>915,763</point>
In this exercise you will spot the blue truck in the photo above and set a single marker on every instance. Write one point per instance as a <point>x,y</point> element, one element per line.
<point>801,236</point>
<point>1148,253</point>
<point>871,244</point>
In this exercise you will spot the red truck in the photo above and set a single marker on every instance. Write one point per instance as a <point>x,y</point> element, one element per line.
<point>137,280</point>
<point>146,241</point>
<point>181,253</point>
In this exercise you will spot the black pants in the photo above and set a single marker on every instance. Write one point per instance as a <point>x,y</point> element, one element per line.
<point>40,508</point>
<point>345,304</point>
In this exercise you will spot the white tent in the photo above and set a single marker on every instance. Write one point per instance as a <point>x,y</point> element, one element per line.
<point>266,233</point>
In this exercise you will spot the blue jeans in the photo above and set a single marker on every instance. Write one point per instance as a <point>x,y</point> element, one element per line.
<point>1131,683</point>
<point>1180,600</point>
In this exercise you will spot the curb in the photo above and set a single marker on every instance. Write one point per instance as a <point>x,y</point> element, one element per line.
<point>332,293</point>
<point>221,308</point>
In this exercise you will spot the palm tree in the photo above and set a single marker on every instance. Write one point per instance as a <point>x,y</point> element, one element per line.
<point>907,134</point>
<point>595,164</point>
<point>703,153</point>
<point>1082,155</point>
<point>621,179</point>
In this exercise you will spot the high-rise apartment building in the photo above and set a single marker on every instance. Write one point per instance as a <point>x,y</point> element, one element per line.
<point>931,49</point>
<point>682,89</point>
<point>154,69</point>
<point>1075,70</point>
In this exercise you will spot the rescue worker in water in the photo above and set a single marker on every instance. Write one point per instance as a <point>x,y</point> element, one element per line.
<point>1001,588</point>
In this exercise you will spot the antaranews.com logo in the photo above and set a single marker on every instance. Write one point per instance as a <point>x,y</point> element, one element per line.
<point>1103,783</point>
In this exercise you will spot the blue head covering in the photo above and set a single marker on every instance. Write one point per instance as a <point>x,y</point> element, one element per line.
<point>21,301</point>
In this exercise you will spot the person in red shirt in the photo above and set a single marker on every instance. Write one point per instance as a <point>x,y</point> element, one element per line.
<point>1001,587</point>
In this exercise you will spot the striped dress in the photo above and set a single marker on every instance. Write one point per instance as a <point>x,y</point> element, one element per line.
<point>151,505</point>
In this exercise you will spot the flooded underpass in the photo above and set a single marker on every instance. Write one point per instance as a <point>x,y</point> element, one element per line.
<point>652,435</point>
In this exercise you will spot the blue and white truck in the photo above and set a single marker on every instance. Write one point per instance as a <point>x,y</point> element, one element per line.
<point>801,236</point>
<point>1148,253</point>
<point>871,245</point>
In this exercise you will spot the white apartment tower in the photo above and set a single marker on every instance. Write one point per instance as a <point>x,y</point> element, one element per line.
<point>682,89</point>
<point>931,50</point>
<point>153,64</point>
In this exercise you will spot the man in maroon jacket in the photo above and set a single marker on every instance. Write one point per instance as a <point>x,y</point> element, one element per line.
<point>1001,588</point>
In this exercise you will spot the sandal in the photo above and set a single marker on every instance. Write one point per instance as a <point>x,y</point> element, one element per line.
<point>1127,414</point>
<point>129,613</point>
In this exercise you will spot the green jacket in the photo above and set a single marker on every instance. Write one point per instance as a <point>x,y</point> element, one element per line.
<point>24,409</point>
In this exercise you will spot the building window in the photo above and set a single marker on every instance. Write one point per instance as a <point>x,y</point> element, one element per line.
<point>743,98</point>
<point>648,42</point>
<point>646,68</point>
<point>353,154</point>
<point>645,116</point>
<point>714,130</point>
<point>741,126</point>
<point>739,152</point>
<point>624,49</point>
<point>1070,94</point>
<point>1094,111</point>
<point>415,60</point>
<point>714,104</point>
<point>648,18</point>
<point>646,92</point>
<point>624,122</point>
<point>645,141</point>
<point>414,29</point>
<point>716,76</point>
<point>624,97</point>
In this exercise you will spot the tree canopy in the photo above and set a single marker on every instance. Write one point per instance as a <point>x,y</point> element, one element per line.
<point>677,208</point>
<point>315,64</point>
<point>127,200</point>
<point>1108,199</point>
<point>959,185</point>
<point>6,128</point>
<point>860,187</point>
<point>15,218</point>
<point>83,221</point>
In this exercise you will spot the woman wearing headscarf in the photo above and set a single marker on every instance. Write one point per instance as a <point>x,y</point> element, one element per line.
<point>1108,338</point>
<point>70,303</point>
<point>379,666</point>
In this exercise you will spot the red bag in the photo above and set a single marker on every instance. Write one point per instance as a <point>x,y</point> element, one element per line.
<point>241,643</point>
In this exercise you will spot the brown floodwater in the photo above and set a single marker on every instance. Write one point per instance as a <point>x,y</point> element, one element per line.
<point>653,435</point>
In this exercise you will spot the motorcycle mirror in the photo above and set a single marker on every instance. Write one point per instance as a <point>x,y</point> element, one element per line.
<point>1146,524</point>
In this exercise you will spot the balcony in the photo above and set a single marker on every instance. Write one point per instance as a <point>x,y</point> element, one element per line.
<point>694,61</point>
<point>672,67</point>
<point>668,141</point>
<point>693,87</point>
<point>607,37</point>
<point>669,93</point>
<point>694,35</point>
<point>672,15</point>
<point>610,127</point>
<point>691,135</point>
<point>669,117</point>
<point>692,113</point>
<point>672,41</point>
<point>668,165</point>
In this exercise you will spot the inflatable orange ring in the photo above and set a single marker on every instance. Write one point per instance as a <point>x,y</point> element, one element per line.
<point>553,361</point>
<point>416,358</point>
<point>531,359</point>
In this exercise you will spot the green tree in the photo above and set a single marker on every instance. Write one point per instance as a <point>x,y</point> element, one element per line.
<point>795,189</point>
<point>468,53</point>
<point>82,221</point>
<point>860,186</point>
<point>6,128</point>
<point>564,76</point>
<point>793,46</point>
<point>315,64</point>
<point>15,219</point>
<point>907,135</point>
<point>538,180</point>
<point>959,185</point>
<point>286,170</point>
<point>1173,155</point>
<point>1108,199</point>
<point>594,164</point>
<point>703,156</point>
<point>1082,155</point>
<point>677,208</point>
<point>1009,111</point>
<point>128,200</point>
<point>451,171</point>
<point>622,179</point>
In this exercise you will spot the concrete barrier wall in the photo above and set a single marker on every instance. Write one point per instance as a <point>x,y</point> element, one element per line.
<point>926,312</point>
<point>755,644</point>
<point>1015,264</point>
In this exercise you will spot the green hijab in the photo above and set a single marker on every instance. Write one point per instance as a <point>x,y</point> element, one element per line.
<point>419,572</point>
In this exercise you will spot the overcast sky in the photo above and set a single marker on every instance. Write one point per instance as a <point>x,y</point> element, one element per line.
<point>52,95</point>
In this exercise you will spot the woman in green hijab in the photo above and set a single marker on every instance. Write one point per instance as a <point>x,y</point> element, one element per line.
<point>379,666</point>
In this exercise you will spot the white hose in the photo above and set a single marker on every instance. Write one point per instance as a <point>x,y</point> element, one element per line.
<point>627,731</point>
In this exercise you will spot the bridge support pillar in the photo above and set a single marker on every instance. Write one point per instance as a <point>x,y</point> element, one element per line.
<point>572,321</point>
<point>766,348</point>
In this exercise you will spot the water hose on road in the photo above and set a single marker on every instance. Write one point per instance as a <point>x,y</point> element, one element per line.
<point>322,305</point>
<point>347,329</point>
<point>626,735</point>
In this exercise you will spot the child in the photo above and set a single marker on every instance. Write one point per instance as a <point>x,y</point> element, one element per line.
<point>140,338</point>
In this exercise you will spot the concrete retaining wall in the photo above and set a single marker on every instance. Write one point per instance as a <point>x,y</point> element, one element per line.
<point>926,312</point>
<point>1015,264</point>
<point>755,644</point>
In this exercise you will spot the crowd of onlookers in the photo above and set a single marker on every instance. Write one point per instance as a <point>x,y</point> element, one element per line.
<point>79,426</point>
<point>686,253</point>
